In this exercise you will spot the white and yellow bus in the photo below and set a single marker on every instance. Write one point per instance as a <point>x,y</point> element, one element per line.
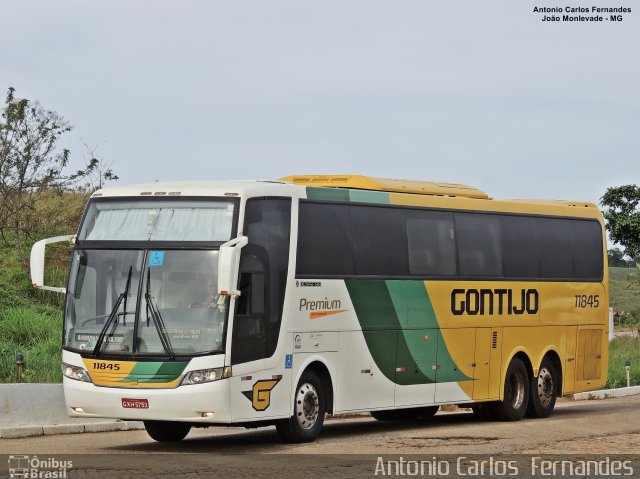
<point>256,303</point>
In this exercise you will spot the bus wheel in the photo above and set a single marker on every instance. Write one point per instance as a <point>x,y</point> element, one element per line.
<point>308,412</point>
<point>544,391</point>
<point>516,393</point>
<point>167,431</point>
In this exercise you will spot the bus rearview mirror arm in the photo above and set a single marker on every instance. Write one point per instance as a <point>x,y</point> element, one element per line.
<point>36,262</point>
<point>228,262</point>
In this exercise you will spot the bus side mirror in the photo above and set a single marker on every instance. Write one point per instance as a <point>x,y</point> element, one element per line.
<point>36,263</point>
<point>228,262</point>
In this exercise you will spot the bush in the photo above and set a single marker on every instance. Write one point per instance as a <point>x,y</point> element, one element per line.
<point>629,319</point>
<point>622,349</point>
<point>36,332</point>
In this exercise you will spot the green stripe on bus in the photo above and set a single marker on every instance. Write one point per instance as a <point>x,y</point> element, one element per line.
<point>397,317</point>
<point>412,304</point>
<point>381,329</point>
<point>449,371</point>
<point>155,371</point>
<point>327,194</point>
<point>362,196</point>
<point>353,196</point>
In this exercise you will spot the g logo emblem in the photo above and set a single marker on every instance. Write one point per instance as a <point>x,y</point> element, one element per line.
<point>260,395</point>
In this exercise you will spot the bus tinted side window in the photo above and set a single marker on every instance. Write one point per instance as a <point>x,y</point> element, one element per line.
<point>479,245</point>
<point>520,247</point>
<point>345,240</point>
<point>556,252</point>
<point>586,238</point>
<point>379,242</point>
<point>324,240</point>
<point>431,243</point>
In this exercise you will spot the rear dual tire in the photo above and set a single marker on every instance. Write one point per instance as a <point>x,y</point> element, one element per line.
<point>544,391</point>
<point>515,400</point>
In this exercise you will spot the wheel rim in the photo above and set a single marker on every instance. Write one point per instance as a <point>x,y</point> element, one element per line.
<point>545,386</point>
<point>516,385</point>
<point>307,406</point>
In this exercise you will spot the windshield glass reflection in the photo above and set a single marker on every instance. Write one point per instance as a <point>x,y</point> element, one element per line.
<point>180,286</point>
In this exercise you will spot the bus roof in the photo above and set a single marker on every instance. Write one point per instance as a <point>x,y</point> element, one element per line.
<point>407,192</point>
<point>172,189</point>
<point>360,182</point>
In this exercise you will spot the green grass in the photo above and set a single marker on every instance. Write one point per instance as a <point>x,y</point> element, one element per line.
<point>36,332</point>
<point>30,323</point>
<point>624,295</point>
<point>621,349</point>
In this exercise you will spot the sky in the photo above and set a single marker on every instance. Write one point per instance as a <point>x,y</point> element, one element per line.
<point>480,93</point>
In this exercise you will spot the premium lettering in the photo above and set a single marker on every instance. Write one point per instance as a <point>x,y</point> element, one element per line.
<point>494,301</point>
<point>325,304</point>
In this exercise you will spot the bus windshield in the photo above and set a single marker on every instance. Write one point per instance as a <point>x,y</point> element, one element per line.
<point>158,220</point>
<point>176,287</point>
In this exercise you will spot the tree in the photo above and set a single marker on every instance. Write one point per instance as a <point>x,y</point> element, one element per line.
<point>100,173</point>
<point>623,216</point>
<point>616,257</point>
<point>32,168</point>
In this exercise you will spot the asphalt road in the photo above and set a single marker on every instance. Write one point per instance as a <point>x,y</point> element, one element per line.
<point>347,447</point>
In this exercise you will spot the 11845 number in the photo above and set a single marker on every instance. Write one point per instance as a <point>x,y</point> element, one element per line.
<point>111,366</point>
<point>587,300</point>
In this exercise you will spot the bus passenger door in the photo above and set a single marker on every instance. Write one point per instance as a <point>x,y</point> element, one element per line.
<point>256,392</point>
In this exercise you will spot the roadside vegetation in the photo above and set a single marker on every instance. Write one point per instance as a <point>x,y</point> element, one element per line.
<point>41,195</point>
<point>625,296</point>
<point>620,350</point>
<point>30,324</point>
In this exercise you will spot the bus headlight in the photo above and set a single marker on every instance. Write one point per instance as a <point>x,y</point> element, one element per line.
<point>75,372</point>
<point>206,375</point>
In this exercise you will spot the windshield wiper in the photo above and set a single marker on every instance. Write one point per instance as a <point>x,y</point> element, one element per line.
<point>157,318</point>
<point>114,314</point>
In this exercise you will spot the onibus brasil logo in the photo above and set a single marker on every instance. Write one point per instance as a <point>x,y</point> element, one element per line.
<point>32,467</point>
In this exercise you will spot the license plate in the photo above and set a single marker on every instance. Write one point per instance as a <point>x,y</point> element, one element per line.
<point>135,403</point>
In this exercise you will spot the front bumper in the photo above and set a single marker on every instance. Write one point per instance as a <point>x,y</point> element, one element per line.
<point>183,403</point>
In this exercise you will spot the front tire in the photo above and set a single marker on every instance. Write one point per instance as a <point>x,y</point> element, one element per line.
<point>167,431</point>
<point>516,393</point>
<point>544,391</point>
<point>308,411</point>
